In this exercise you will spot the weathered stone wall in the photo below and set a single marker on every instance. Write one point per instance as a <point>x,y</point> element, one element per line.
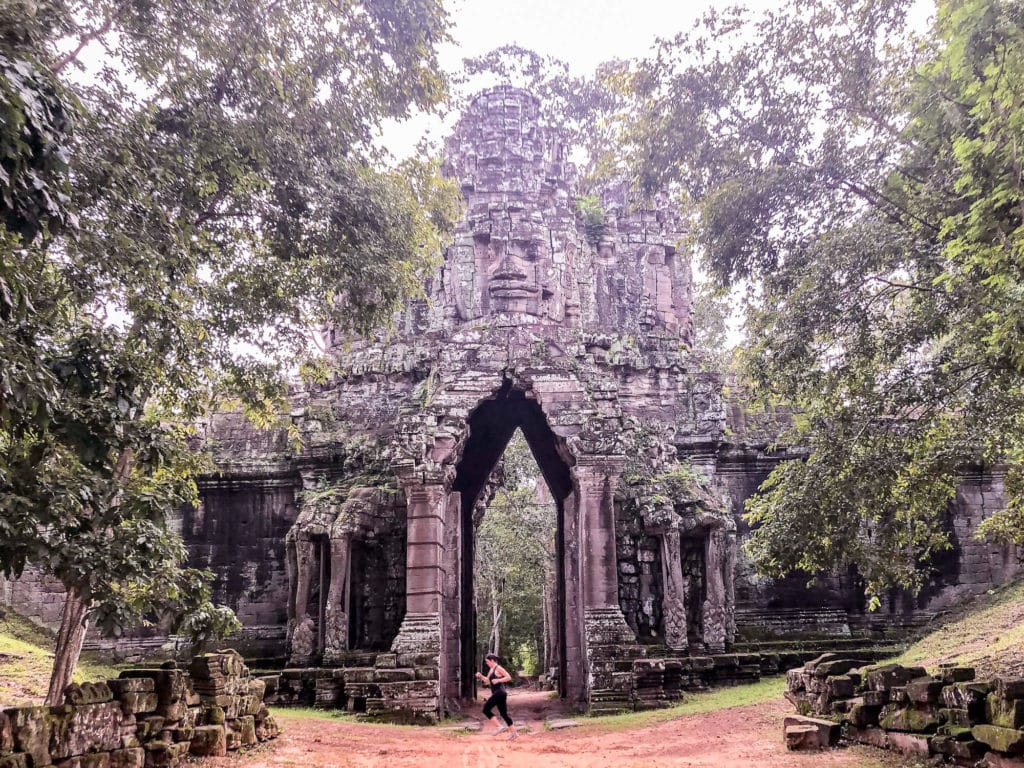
<point>950,714</point>
<point>144,719</point>
<point>237,532</point>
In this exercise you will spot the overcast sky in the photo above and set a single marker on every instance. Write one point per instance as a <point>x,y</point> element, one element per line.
<point>582,33</point>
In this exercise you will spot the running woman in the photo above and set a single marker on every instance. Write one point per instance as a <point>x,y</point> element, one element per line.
<point>496,679</point>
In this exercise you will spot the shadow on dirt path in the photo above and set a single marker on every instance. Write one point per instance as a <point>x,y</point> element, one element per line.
<point>738,737</point>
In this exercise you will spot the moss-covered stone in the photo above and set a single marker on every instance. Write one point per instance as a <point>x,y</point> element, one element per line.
<point>908,719</point>
<point>1007,740</point>
<point>1004,713</point>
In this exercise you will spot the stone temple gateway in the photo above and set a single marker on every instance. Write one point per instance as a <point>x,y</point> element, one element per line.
<point>351,550</point>
<point>580,338</point>
<point>577,330</point>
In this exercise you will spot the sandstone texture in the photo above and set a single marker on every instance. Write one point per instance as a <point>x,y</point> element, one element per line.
<point>902,708</point>
<point>105,725</point>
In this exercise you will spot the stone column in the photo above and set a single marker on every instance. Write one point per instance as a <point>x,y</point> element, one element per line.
<point>420,632</point>
<point>336,614</point>
<point>674,613</point>
<point>596,479</point>
<point>609,642</point>
<point>303,636</point>
<point>729,579</point>
<point>715,610</point>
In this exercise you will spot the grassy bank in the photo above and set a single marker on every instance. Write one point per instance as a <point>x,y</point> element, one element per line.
<point>987,634</point>
<point>26,656</point>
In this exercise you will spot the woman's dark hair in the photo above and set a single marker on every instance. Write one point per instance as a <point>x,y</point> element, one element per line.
<point>493,657</point>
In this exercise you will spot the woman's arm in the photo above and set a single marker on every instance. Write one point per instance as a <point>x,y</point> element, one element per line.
<point>502,676</point>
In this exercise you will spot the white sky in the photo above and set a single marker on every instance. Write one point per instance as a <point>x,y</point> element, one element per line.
<point>583,33</point>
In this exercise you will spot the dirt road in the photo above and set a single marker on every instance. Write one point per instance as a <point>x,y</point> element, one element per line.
<point>748,736</point>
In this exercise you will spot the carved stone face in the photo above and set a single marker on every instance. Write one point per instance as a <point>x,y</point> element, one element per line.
<point>515,272</point>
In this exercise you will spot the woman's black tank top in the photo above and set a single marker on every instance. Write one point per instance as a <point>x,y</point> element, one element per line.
<point>496,688</point>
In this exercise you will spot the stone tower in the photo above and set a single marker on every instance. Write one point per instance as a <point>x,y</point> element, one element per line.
<point>572,323</point>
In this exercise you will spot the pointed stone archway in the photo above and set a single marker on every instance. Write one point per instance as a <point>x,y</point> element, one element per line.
<point>491,426</point>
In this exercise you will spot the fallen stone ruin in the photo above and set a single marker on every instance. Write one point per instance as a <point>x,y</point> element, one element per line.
<point>146,718</point>
<point>951,715</point>
<point>345,541</point>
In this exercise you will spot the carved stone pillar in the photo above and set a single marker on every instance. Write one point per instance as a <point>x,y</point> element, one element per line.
<point>610,643</point>
<point>420,632</point>
<point>674,610</point>
<point>303,635</point>
<point>715,613</point>
<point>596,479</point>
<point>336,614</point>
<point>729,578</point>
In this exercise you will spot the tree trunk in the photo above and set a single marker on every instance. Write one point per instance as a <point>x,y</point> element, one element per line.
<point>496,622</point>
<point>73,624</point>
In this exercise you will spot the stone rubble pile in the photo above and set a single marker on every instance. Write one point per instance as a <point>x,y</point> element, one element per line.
<point>951,715</point>
<point>147,718</point>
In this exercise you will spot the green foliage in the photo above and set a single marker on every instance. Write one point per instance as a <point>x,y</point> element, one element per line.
<point>866,183</point>
<point>515,549</point>
<point>593,214</point>
<point>176,219</point>
<point>711,313</point>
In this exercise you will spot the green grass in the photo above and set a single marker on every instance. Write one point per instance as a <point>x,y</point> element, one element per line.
<point>282,714</point>
<point>695,704</point>
<point>26,657</point>
<point>987,634</point>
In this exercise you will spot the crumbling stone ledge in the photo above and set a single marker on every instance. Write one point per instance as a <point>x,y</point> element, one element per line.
<point>950,716</point>
<point>147,718</point>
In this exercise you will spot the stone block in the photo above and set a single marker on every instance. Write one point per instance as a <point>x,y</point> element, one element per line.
<point>834,667</point>
<point>962,750</point>
<point>909,743</point>
<point>894,717</point>
<point>839,687</point>
<point>86,728</point>
<point>19,760</point>
<point>246,727</point>
<point>149,726</point>
<point>951,673</point>
<point>6,734</point>
<point>209,741</point>
<point>124,685</point>
<point>137,703</point>
<point>1007,740</point>
<point>1006,713</point>
<point>165,754</point>
<point>128,758</point>
<point>395,675</point>
<point>862,715</point>
<point>969,696</point>
<point>956,718</point>
<point>875,737</point>
<point>267,728</point>
<point>809,733</point>
<point>30,727</point>
<point>95,760</point>
<point>889,676</point>
<point>1010,688</point>
<point>875,698</point>
<point>87,693</point>
<point>925,690</point>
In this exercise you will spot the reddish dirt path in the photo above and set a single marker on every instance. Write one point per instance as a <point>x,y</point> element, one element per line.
<point>749,736</point>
